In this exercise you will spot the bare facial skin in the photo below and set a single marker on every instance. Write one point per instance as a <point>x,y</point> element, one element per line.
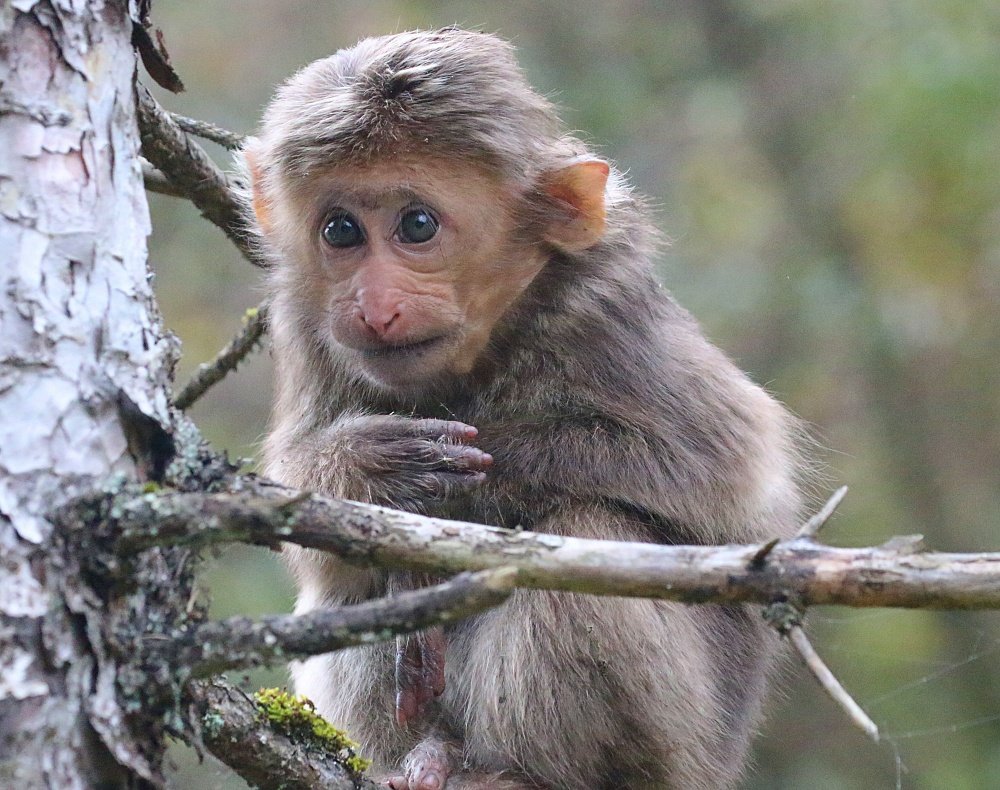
<point>466,325</point>
<point>421,267</point>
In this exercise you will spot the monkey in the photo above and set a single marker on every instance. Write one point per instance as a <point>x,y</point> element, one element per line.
<point>466,324</point>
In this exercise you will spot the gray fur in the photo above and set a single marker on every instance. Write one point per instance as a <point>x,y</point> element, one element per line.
<point>608,415</point>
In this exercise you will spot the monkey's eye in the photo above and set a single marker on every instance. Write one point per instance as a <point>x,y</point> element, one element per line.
<point>342,230</point>
<point>417,225</point>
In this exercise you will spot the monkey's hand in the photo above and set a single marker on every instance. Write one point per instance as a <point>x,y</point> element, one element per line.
<point>419,673</point>
<point>405,462</point>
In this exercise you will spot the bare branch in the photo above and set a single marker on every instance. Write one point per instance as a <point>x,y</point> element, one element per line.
<point>787,621</point>
<point>211,373</point>
<point>239,642</point>
<point>830,683</point>
<point>812,527</point>
<point>191,171</point>
<point>800,570</point>
<point>208,131</point>
<point>232,729</point>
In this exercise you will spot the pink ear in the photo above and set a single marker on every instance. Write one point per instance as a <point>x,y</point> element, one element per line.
<point>580,186</point>
<point>261,208</point>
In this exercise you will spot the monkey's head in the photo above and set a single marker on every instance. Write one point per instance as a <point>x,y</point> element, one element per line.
<point>409,190</point>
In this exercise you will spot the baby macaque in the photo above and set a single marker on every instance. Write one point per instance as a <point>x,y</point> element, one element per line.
<point>466,324</point>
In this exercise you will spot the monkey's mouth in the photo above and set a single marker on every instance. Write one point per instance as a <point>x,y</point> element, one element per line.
<point>397,350</point>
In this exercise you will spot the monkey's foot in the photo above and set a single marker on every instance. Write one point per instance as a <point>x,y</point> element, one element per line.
<point>427,767</point>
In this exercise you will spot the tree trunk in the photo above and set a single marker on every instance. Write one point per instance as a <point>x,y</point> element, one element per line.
<point>79,338</point>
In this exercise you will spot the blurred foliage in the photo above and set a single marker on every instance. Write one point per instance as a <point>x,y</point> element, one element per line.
<point>828,173</point>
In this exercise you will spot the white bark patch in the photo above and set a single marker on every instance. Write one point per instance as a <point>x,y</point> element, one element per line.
<point>25,597</point>
<point>17,680</point>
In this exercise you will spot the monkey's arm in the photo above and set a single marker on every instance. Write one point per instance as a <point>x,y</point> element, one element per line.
<point>387,460</point>
<point>697,478</point>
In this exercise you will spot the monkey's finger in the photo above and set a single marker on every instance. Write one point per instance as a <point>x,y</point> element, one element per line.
<point>462,458</point>
<point>409,679</point>
<point>413,700</point>
<point>433,646</point>
<point>449,430</point>
<point>443,484</point>
<point>407,707</point>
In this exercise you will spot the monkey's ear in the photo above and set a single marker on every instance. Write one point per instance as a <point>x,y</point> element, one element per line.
<point>579,188</point>
<point>261,207</point>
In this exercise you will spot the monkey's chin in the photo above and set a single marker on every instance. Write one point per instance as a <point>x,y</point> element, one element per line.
<point>410,367</point>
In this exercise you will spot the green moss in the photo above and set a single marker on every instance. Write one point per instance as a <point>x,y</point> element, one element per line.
<point>356,764</point>
<point>297,718</point>
<point>212,723</point>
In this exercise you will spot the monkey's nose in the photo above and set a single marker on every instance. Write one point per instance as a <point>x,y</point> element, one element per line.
<point>379,322</point>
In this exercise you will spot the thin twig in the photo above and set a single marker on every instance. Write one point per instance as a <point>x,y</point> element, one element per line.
<point>815,524</point>
<point>830,683</point>
<point>239,642</point>
<point>156,182</point>
<point>208,131</point>
<point>757,560</point>
<point>211,373</point>
<point>190,169</point>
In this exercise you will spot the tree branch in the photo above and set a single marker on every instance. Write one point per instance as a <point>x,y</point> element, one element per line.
<point>239,642</point>
<point>211,373</point>
<point>208,131</point>
<point>800,570</point>
<point>186,165</point>
<point>232,728</point>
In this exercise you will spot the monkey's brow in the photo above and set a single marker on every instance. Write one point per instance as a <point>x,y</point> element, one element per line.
<point>371,199</point>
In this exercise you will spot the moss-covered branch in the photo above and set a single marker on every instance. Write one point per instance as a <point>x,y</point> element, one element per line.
<point>240,732</point>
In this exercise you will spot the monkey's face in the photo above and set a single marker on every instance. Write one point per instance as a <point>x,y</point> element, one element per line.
<point>408,267</point>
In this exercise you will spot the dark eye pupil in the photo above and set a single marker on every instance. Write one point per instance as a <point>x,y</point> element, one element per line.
<point>417,226</point>
<point>343,231</point>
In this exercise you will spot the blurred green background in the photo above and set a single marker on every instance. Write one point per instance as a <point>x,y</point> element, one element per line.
<point>829,173</point>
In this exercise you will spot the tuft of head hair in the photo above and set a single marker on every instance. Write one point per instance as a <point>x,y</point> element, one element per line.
<point>450,93</point>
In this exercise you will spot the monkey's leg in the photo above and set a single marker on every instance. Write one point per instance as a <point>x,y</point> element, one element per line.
<point>588,692</point>
<point>355,690</point>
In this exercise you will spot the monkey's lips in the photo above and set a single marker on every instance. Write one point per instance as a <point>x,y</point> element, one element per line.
<point>407,366</point>
<point>397,350</point>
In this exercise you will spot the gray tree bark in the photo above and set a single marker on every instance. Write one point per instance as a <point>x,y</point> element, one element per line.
<point>79,334</point>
